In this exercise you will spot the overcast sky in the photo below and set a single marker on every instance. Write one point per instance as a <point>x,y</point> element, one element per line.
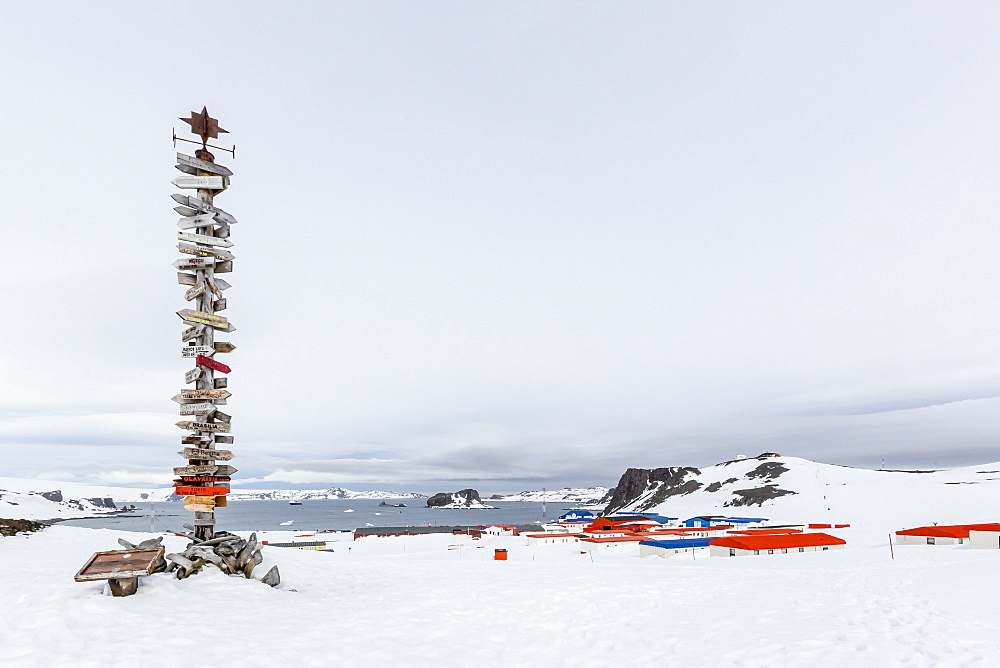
<point>508,245</point>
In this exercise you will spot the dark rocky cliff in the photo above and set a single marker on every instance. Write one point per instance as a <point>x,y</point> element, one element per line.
<point>669,481</point>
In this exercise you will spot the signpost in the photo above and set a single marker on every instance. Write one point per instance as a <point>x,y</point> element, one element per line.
<point>211,363</point>
<point>201,182</point>
<point>203,237</point>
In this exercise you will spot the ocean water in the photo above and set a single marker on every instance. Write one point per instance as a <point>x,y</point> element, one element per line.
<point>319,515</point>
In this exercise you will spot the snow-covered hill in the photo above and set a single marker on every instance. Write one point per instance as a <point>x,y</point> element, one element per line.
<point>798,490</point>
<point>573,495</point>
<point>34,506</point>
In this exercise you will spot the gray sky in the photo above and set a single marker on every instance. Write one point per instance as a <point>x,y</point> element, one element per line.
<point>508,245</point>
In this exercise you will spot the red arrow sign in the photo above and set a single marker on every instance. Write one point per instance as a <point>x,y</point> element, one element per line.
<point>203,478</point>
<point>212,364</point>
<point>200,491</point>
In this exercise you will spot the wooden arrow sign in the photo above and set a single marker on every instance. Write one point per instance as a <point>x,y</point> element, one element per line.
<point>201,182</point>
<point>191,249</point>
<point>192,375</point>
<point>196,439</point>
<point>200,508</point>
<point>223,267</point>
<point>195,205</point>
<point>205,453</point>
<point>201,220</point>
<point>223,347</point>
<point>191,165</point>
<point>204,426</point>
<point>219,305</point>
<point>224,440</point>
<point>223,417</point>
<point>202,318</point>
<point>200,500</point>
<point>222,284</point>
<point>201,491</point>
<point>204,239</point>
<point>192,332</point>
<point>194,351</point>
<point>205,469</point>
<point>195,263</point>
<point>186,279</point>
<point>208,469</point>
<point>205,394</point>
<point>197,409</point>
<point>195,292</point>
<point>219,383</point>
<point>201,360</point>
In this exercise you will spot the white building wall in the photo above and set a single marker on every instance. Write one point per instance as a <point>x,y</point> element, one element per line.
<point>663,552</point>
<point>923,540</point>
<point>719,551</point>
<point>984,540</point>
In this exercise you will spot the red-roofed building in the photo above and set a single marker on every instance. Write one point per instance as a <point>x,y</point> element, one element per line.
<point>551,538</point>
<point>764,532</point>
<point>612,541</point>
<point>741,546</point>
<point>942,535</point>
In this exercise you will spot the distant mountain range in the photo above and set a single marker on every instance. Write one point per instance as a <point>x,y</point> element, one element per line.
<point>568,495</point>
<point>315,494</point>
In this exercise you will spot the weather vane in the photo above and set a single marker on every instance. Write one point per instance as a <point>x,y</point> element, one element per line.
<point>207,128</point>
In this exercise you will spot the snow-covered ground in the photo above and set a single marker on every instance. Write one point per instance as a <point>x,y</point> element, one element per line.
<point>440,600</point>
<point>316,494</point>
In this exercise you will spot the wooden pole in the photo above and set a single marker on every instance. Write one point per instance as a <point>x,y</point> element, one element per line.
<point>204,526</point>
<point>892,552</point>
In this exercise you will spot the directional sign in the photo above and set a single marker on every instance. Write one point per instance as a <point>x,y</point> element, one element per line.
<point>206,469</point>
<point>223,347</point>
<point>197,409</point>
<point>191,249</point>
<point>219,383</point>
<point>219,305</point>
<point>204,478</point>
<point>195,263</point>
<point>204,239</point>
<point>205,453</point>
<point>191,165</point>
<point>202,500</point>
<point>190,222</point>
<point>192,375</point>
<point>204,426</point>
<point>224,440</point>
<point>201,491</point>
<point>205,394</point>
<point>196,439</point>
<point>194,351</point>
<point>196,205</point>
<point>201,360</point>
<point>199,508</point>
<point>192,332</point>
<point>181,399</point>
<point>223,267</point>
<point>186,279</point>
<point>202,318</point>
<point>221,283</point>
<point>223,417</point>
<point>193,293</point>
<point>201,182</point>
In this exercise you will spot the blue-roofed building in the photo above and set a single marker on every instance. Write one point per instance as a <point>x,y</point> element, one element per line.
<point>745,521</point>
<point>577,516</point>
<point>668,548</point>
<point>704,521</point>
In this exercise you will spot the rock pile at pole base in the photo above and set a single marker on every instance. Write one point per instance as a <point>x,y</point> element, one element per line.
<point>229,553</point>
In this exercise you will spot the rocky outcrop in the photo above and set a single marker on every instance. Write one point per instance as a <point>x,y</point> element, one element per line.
<point>466,498</point>
<point>55,495</point>
<point>106,502</point>
<point>756,496</point>
<point>634,483</point>
<point>13,527</point>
